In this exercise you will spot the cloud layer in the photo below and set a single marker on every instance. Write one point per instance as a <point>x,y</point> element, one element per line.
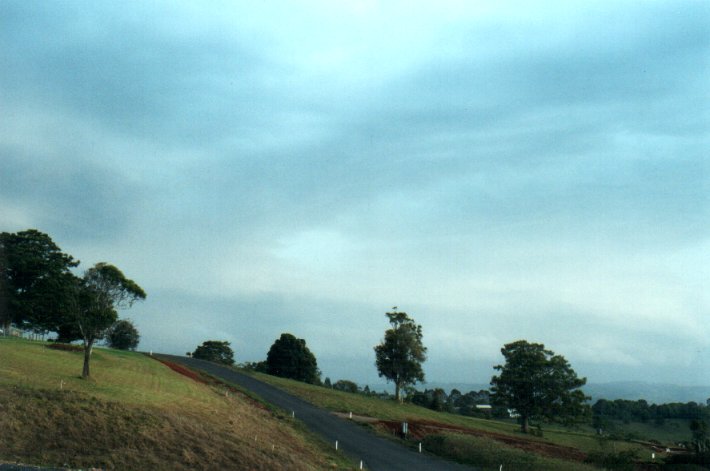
<point>502,172</point>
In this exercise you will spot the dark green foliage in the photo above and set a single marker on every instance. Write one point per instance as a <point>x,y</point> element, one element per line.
<point>621,461</point>
<point>641,411</point>
<point>699,460</point>
<point>434,399</point>
<point>34,280</point>
<point>123,335</point>
<point>289,357</point>
<point>94,301</point>
<point>700,441</point>
<point>346,385</point>
<point>65,347</point>
<point>400,355</point>
<point>538,384</point>
<point>258,366</point>
<point>216,351</point>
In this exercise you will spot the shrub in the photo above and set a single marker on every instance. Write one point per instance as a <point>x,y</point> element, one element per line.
<point>621,461</point>
<point>66,347</point>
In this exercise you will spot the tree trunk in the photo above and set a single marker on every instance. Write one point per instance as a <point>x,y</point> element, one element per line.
<point>524,423</point>
<point>397,391</point>
<point>87,358</point>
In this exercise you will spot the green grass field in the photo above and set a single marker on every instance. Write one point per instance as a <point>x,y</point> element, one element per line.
<point>136,413</point>
<point>582,439</point>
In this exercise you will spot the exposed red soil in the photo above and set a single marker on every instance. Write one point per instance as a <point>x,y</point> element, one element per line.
<point>208,380</point>
<point>183,371</point>
<point>420,429</point>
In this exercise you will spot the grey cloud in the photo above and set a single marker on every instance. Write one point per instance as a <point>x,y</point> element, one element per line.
<point>132,75</point>
<point>75,201</point>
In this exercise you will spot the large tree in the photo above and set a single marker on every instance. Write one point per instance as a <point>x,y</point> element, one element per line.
<point>34,280</point>
<point>538,384</point>
<point>216,351</point>
<point>95,299</point>
<point>400,355</point>
<point>289,357</point>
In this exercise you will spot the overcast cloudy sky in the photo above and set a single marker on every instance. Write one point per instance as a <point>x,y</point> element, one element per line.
<point>498,170</point>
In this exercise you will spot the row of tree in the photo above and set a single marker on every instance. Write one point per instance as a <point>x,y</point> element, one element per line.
<point>534,381</point>
<point>40,292</point>
<point>642,411</point>
<point>288,357</point>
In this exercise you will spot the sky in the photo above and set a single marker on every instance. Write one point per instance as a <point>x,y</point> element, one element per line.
<point>497,170</point>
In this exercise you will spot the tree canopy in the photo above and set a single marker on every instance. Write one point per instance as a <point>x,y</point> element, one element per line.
<point>400,355</point>
<point>96,296</point>
<point>216,351</point>
<point>123,335</point>
<point>289,357</point>
<point>34,280</point>
<point>538,384</point>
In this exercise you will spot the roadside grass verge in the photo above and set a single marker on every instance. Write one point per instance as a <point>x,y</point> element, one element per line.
<point>137,413</point>
<point>387,410</point>
<point>489,454</point>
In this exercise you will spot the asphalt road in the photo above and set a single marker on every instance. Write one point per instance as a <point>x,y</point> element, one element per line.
<point>356,441</point>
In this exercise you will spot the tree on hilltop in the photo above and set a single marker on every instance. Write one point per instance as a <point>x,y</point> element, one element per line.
<point>289,357</point>
<point>538,384</point>
<point>400,355</point>
<point>215,351</point>
<point>93,303</point>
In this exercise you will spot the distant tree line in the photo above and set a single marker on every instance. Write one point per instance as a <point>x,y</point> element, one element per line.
<point>642,411</point>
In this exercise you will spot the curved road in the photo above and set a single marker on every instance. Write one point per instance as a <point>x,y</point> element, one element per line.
<point>356,441</point>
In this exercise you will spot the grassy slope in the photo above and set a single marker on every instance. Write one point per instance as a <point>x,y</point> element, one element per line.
<point>136,413</point>
<point>362,405</point>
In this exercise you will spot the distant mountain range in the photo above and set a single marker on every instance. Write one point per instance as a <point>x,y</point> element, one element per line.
<point>653,393</point>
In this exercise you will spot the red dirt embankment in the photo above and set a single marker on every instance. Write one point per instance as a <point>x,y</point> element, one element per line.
<point>420,429</point>
<point>183,371</point>
<point>210,381</point>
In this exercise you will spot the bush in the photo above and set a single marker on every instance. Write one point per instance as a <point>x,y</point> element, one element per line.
<point>346,385</point>
<point>66,347</point>
<point>621,461</point>
<point>123,335</point>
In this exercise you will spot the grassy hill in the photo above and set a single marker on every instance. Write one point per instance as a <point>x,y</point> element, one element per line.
<point>137,413</point>
<point>489,443</point>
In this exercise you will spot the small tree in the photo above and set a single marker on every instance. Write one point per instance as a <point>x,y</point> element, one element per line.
<point>700,441</point>
<point>346,386</point>
<point>94,301</point>
<point>400,355</point>
<point>289,357</point>
<point>215,351</point>
<point>538,384</point>
<point>123,335</point>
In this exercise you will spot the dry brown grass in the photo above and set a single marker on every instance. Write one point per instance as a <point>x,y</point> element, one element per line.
<point>85,427</point>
